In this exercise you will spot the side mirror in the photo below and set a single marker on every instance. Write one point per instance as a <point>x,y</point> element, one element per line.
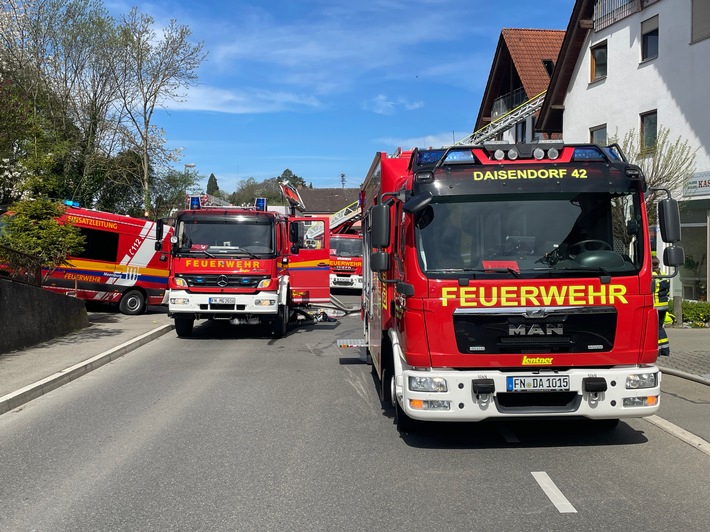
<point>380,226</point>
<point>669,220</point>
<point>417,203</point>
<point>159,235</point>
<point>674,256</point>
<point>379,261</point>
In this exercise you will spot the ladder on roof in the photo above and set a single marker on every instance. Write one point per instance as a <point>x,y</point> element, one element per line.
<point>505,122</point>
<point>348,214</point>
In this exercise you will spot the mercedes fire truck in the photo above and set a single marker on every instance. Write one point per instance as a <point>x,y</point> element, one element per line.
<point>512,280</point>
<point>245,265</point>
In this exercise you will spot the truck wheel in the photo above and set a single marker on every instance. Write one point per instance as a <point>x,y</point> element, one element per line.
<point>183,327</point>
<point>281,322</point>
<point>132,303</point>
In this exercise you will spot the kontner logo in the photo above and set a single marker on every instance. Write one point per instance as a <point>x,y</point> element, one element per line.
<point>537,361</point>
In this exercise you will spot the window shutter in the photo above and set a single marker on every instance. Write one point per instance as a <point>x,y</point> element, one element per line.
<point>649,25</point>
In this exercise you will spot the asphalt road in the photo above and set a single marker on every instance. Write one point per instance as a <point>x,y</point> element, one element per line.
<point>233,430</point>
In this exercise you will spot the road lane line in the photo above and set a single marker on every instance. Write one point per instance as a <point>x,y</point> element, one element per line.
<point>674,430</point>
<point>553,493</point>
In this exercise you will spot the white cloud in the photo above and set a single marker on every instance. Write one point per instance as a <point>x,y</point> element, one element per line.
<point>382,105</point>
<point>205,98</point>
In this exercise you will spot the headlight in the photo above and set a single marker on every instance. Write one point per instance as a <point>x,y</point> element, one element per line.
<point>641,380</point>
<point>427,384</point>
<point>418,404</point>
<point>651,400</point>
<point>264,283</point>
<point>179,281</point>
<point>264,302</point>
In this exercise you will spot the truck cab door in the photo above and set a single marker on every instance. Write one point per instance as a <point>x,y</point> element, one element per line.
<point>309,265</point>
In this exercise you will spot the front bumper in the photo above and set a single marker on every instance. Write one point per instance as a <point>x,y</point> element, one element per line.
<point>465,404</point>
<point>224,305</point>
<point>346,281</point>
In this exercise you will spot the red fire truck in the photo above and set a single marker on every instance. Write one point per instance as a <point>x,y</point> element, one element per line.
<point>119,263</point>
<point>346,261</point>
<point>246,265</point>
<point>512,281</point>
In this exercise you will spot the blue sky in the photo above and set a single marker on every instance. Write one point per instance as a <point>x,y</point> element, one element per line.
<point>320,86</point>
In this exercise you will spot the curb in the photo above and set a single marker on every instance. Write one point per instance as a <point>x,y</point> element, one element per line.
<point>33,391</point>
<point>684,375</point>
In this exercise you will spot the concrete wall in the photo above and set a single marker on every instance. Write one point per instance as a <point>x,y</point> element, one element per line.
<point>30,315</point>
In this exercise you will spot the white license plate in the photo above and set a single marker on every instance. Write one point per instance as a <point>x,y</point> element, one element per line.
<point>538,383</point>
<point>222,301</point>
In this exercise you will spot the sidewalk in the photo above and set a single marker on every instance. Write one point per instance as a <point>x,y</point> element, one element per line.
<point>690,354</point>
<point>32,372</point>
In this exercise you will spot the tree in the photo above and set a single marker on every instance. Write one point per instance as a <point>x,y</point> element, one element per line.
<point>212,187</point>
<point>33,229</point>
<point>149,71</point>
<point>668,164</point>
<point>169,191</point>
<point>292,179</point>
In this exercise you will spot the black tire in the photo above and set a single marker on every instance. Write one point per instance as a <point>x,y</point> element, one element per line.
<point>183,327</point>
<point>132,303</point>
<point>280,325</point>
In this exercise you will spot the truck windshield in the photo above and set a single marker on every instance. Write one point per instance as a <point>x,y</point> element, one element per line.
<point>225,237</point>
<point>346,247</point>
<point>532,235</point>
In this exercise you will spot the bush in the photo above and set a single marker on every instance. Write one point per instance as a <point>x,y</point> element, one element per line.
<point>695,313</point>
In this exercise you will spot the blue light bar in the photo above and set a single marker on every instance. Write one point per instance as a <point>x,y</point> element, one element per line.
<point>70,203</point>
<point>260,204</point>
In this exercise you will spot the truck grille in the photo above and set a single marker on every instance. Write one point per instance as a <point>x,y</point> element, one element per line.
<point>535,331</point>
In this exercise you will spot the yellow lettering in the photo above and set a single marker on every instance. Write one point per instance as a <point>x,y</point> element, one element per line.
<point>448,292</point>
<point>617,291</point>
<point>508,296</point>
<point>468,295</point>
<point>576,295</point>
<point>488,302</point>
<point>529,293</point>
<point>601,294</point>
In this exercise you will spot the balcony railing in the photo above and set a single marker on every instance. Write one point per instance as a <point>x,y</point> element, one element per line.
<point>505,103</point>
<point>607,12</point>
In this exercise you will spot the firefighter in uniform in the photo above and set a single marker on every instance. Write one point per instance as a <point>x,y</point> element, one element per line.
<point>660,302</point>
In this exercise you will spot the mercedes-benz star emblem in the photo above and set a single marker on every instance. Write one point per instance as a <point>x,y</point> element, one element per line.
<point>222,281</point>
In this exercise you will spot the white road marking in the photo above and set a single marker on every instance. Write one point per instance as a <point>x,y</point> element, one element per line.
<point>688,437</point>
<point>553,493</point>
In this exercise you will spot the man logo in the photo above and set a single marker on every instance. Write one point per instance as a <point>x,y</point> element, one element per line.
<point>537,329</point>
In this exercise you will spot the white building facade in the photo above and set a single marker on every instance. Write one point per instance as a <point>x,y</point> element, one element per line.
<point>646,65</point>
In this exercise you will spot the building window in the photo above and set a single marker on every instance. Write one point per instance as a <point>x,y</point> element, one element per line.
<point>649,38</point>
<point>597,135</point>
<point>700,23</point>
<point>649,130</point>
<point>599,61</point>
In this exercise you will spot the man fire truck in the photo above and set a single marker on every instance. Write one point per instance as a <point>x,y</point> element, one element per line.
<point>245,265</point>
<point>512,281</point>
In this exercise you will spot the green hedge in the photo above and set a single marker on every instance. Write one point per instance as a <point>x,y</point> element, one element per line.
<point>696,313</point>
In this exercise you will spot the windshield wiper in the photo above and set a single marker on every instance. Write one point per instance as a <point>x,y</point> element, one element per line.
<point>190,251</point>
<point>242,250</point>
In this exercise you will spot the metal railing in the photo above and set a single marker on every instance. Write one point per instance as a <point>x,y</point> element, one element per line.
<point>20,267</point>
<point>607,12</point>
